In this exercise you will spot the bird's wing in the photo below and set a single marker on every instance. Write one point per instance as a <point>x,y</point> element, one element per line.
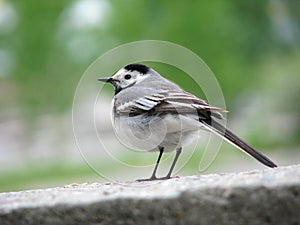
<point>141,104</point>
<point>170,102</point>
<point>184,102</point>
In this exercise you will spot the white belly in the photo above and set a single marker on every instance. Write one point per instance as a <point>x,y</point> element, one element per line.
<point>147,133</point>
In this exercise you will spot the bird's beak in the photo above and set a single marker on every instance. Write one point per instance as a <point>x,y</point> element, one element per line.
<point>106,79</point>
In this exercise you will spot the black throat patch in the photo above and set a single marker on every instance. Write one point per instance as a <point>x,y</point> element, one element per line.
<point>118,88</point>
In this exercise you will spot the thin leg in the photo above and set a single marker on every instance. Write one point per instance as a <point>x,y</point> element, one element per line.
<point>161,151</point>
<point>153,176</point>
<point>178,152</point>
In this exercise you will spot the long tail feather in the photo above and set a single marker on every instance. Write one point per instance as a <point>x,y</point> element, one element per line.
<point>235,140</point>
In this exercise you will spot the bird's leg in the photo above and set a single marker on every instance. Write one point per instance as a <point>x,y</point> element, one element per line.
<point>161,151</point>
<point>178,151</point>
<point>153,176</point>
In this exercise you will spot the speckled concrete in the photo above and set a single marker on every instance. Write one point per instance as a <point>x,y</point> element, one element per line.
<point>270,196</point>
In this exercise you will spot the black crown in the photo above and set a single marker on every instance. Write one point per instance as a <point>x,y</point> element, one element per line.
<point>137,67</point>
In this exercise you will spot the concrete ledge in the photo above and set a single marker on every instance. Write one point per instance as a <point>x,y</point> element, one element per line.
<point>270,196</point>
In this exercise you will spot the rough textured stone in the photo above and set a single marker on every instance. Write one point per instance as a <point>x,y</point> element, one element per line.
<point>270,196</point>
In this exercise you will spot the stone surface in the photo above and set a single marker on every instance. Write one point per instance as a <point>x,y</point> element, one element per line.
<point>270,196</point>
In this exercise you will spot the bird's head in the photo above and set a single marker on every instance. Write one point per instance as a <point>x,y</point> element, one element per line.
<point>128,76</point>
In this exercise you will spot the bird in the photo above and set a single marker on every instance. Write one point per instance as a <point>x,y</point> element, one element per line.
<point>152,113</point>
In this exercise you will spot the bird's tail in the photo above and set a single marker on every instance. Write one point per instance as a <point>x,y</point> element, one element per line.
<point>227,135</point>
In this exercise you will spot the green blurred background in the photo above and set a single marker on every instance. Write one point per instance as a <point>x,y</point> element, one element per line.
<point>252,47</point>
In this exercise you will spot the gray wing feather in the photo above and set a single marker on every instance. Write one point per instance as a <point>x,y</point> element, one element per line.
<point>145,103</point>
<point>170,102</point>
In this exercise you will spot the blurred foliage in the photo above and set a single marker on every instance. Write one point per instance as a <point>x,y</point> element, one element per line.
<point>231,36</point>
<point>44,74</point>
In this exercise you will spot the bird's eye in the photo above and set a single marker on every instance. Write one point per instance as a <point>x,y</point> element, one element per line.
<point>127,76</point>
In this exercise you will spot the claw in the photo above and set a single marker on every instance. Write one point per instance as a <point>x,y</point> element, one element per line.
<point>155,178</point>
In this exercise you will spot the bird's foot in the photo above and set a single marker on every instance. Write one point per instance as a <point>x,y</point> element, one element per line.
<point>155,178</point>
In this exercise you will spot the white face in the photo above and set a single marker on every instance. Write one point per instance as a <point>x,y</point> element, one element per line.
<point>127,78</point>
